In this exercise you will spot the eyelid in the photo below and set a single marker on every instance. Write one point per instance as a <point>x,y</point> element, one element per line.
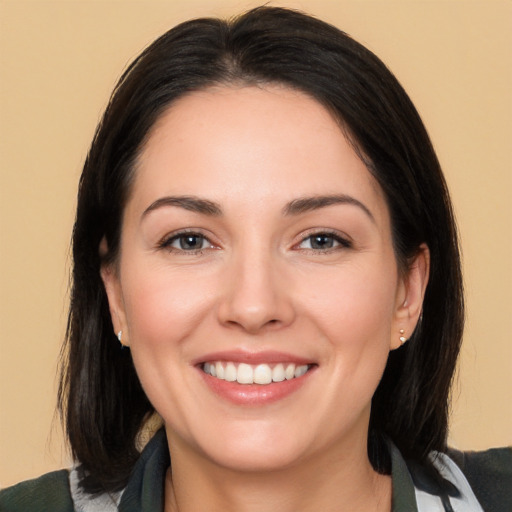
<point>345,241</point>
<point>166,241</point>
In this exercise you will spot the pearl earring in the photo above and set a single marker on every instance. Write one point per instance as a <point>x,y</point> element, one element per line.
<point>120,337</point>
<point>402,338</point>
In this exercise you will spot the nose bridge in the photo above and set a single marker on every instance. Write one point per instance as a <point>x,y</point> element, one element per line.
<point>255,297</point>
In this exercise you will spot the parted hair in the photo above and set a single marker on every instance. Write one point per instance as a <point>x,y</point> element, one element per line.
<point>101,401</point>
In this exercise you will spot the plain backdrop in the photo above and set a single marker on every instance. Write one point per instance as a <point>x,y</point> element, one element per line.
<point>59,60</point>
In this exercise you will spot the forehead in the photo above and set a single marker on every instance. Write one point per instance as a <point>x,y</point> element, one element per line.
<point>251,144</point>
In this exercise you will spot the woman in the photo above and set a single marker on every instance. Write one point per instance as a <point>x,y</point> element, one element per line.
<point>263,222</point>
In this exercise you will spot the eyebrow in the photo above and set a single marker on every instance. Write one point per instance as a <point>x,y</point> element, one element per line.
<point>295,207</point>
<point>306,204</point>
<point>191,203</point>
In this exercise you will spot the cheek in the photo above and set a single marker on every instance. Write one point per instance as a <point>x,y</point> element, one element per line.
<point>352,311</point>
<point>162,306</point>
<point>163,312</point>
<point>355,304</point>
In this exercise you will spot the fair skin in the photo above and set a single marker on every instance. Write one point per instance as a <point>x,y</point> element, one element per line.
<point>286,261</point>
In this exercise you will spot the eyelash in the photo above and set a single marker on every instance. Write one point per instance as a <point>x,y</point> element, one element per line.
<point>166,243</point>
<point>343,243</point>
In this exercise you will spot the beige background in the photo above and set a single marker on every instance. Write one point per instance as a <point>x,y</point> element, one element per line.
<point>58,64</point>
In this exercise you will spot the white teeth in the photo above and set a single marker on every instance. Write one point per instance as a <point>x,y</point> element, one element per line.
<point>245,375</point>
<point>278,373</point>
<point>301,370</point>
<point>260,374</point>
<point>289,373</point>
<point>230,373</point>
<point>219,370</point>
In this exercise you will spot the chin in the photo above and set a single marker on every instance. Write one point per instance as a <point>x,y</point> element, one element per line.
<point>260,449</point>
<point>252,460</point>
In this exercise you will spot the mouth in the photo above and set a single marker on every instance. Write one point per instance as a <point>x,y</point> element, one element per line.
<point>254,379</point>
<point>262,374</point>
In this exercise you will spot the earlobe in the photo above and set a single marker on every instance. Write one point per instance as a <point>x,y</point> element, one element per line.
<point>410,298</point>
<point>112,286</point>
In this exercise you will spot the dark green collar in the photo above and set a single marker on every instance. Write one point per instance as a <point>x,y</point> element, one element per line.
<point>404,498</point>
<point>145,490</point>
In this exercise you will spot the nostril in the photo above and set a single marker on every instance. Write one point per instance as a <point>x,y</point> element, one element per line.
<point>255,326</point>
<point>274,322</point>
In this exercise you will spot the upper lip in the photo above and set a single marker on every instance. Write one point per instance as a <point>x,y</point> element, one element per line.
<point>253,357</point>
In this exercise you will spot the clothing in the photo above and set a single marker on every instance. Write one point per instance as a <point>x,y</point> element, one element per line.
<point>486,475</point>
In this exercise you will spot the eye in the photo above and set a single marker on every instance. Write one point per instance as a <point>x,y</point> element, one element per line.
<point>186,242</point>
<point>323,242</point>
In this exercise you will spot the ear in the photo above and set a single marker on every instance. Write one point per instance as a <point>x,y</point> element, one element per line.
<point>110,278</point>
<point>410,294</point>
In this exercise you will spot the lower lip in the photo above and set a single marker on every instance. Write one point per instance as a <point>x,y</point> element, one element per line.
<point>255,394</point>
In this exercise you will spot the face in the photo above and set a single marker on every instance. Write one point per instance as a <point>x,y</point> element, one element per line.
<point>257,285</point>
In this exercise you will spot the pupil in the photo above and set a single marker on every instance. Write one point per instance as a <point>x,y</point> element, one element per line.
<point>322,242</point>
<point>190,242</point>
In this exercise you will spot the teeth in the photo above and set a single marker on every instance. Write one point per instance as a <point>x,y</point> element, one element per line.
<point>219,370</point>
<point>230,373</point>
<point>262,374</point>
<point>300,371</point>
<point>278,374</point>
<point>259,374</point>
<point>289,373</point>
<point>245,375</point>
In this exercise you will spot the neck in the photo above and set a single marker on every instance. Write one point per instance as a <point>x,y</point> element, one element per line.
<point>331,483</point>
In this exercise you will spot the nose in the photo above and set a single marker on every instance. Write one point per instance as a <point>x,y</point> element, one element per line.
<point>256,295</point>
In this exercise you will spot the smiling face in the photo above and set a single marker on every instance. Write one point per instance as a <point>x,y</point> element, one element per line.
<point>257,284</point>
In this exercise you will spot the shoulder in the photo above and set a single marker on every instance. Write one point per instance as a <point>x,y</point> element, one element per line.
<point>49,492</point>
<point>489,474</point>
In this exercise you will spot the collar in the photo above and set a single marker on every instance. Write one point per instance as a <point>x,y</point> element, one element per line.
<point>145,489</point>
<point>404,497</point>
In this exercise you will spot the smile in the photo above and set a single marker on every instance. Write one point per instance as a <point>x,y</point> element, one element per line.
<point>244,373</point>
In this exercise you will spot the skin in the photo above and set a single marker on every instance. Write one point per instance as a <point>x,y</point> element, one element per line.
<point>258,284</point>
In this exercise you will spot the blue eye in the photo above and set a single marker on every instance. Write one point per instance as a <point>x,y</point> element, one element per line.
<point>323,242</point>
<point>188,242</point>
